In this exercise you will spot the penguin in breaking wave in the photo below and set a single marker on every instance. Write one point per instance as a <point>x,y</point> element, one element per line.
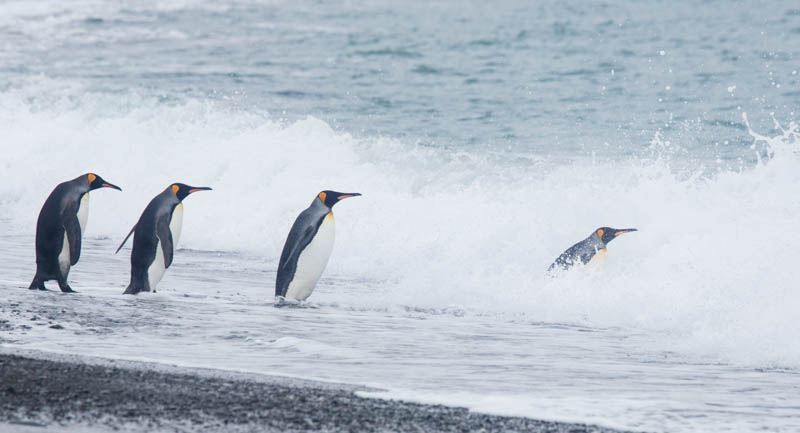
<point>308,247</point>
<point>157,233</point>
<point>60,227</point>
<point>590,250</point>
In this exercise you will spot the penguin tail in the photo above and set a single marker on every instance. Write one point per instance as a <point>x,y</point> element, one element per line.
<point>126,239</point>
<point>131,290</point>
<point>37,284</point>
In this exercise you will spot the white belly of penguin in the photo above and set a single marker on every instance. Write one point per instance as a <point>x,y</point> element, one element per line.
<point>64,258</point>
<point>156,270</point>
<point>599,259</point>
<point>312,261</point>
<point>83,212</point>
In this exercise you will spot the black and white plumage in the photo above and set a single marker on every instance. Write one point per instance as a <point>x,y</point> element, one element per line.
<point>308,247</point>
<point>60,227</point>
<point>590,250</point>
<point>155,236</point>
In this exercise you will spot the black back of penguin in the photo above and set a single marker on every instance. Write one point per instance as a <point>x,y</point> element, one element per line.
<point>583,251</point>
<point>303,232</point>
<point>146,234</point>
<point>59,219</point>
<point>152,229</point>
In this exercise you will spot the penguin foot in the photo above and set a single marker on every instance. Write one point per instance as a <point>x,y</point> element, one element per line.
<point>37,285</point>
<point>68,289</point>
<point>281,302</point>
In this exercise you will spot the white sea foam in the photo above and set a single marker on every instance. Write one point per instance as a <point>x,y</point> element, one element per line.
<point>435,290</point>
<point>712,264</point>
<point>438,235</point>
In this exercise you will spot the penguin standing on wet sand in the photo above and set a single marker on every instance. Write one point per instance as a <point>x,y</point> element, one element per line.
<point>590,250</point>
<point>157,233</point>
<point>308,247</point>
<point>60,227</point>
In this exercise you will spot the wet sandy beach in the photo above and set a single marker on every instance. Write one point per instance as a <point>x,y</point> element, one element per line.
<point>70,393</point>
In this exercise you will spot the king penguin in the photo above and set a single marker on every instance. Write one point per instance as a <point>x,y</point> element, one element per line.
<point>308,247</point>
<point>157,234</point>
<point>590,250</point>
<point>62,222</point>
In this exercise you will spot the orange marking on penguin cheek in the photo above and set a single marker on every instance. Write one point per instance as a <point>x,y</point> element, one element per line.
<point>175,189</point>
<point>600,233</point>
<point>91,178</point>
<point>322,196</point>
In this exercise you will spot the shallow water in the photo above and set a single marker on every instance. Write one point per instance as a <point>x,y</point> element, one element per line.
<point>212,311</point>
<point>486,140</point>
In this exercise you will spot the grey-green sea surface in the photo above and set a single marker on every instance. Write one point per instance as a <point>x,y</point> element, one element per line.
<point>486,138</point>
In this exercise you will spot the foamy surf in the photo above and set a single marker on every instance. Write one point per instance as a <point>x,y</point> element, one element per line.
<point>713,253</point>
<point>486,140</point>
<point>446,250</point>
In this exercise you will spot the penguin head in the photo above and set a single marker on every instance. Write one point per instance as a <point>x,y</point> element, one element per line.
<point>181,190</point>
<point>97,182</point>
<point>330,198</point>
<point>607,234</point>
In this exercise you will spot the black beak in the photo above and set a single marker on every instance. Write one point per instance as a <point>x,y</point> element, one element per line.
<point>111,185</point>
<point>619,232</point>
<point>198,188</point>
<point>347,195</point>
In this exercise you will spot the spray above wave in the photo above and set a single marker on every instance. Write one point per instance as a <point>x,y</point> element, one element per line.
<point>711,267</point>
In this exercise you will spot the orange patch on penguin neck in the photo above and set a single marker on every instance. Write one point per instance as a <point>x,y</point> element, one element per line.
<point>175,189</point>
<point>322,196</point>
<point>600,233</point>
<point>91,178</point>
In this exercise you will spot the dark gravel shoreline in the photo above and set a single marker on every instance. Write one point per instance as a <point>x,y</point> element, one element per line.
<point>109,395</point>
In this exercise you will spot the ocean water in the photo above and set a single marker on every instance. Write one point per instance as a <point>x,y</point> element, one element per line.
<point>486,139</point>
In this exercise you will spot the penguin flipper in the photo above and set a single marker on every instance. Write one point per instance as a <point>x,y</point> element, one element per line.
<point>564,261</point>
<point>579,252</point>
<point>72,227</point>
<point>582,252</point>
<point>126,239</point>
<point>165,236</point>
<point>298,240</point>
